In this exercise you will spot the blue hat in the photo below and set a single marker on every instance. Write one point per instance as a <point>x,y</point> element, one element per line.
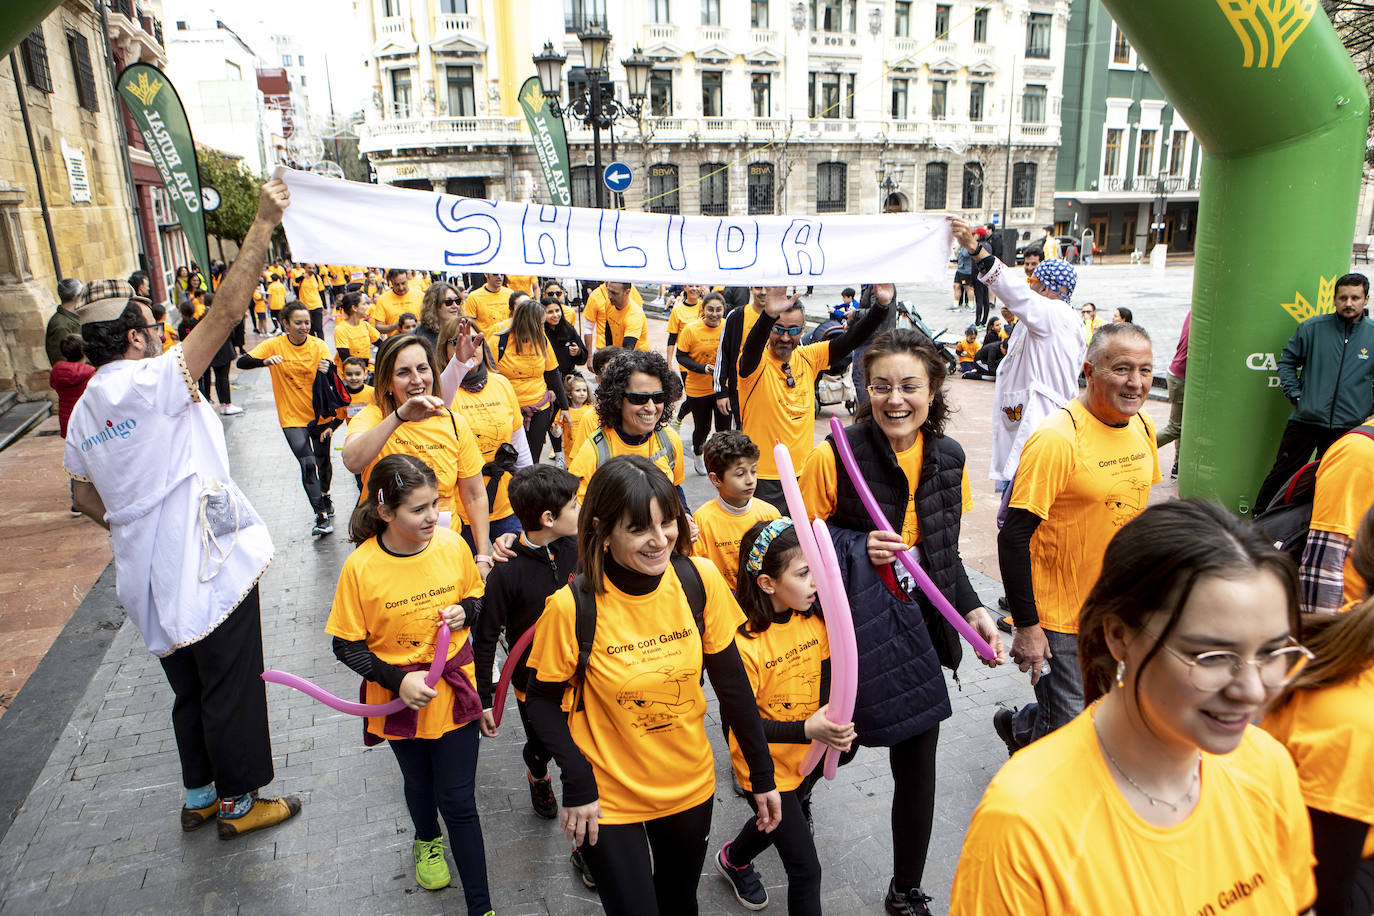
<point>1058,275</point>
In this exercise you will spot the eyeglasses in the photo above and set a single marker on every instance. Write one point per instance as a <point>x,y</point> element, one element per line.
<point>882,391</point>
<point>640,398</point>
<point>790,332</point>
<point>155,326</point>
<point>787,375</point>
<point>1218,669</point>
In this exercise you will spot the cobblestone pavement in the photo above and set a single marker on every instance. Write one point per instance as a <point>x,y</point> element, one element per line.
<point>98,832</point>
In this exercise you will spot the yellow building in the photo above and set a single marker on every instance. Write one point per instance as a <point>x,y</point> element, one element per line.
<point>73,132</point>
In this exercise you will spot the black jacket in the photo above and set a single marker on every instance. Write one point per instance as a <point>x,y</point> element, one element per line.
<point>568,348</point>
<point>514,599</point>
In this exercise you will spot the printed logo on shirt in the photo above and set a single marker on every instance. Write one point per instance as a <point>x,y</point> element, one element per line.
<point>1230,896</point>
<point>112,430</point>
<point>659,697</point>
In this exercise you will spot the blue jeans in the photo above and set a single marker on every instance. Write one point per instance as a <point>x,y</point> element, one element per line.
<point>1059,695</point>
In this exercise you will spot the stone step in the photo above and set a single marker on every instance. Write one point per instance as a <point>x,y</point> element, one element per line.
<point>19,417</point>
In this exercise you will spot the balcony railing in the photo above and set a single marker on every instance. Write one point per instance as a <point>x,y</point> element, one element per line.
<point>393,25</point>
<point>944,48</point>
<point>660,31</point>
<point>412,132</point>
<point>449,23</point>
<point>763,36</point>
<point>713,34</point>
<point>904,47</point>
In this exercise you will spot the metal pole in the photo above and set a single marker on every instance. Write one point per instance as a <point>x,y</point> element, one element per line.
<point>37,172</point>
<point>595,77</point>
<point>1006,175</point>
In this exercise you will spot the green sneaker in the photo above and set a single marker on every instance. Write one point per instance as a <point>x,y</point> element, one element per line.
<point>431,869</point>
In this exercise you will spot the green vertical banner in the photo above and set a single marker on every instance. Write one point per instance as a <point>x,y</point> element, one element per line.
<point>550,143</point>
<point>161,120</point>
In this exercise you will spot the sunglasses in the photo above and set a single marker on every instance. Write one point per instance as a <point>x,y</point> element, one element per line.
<point>640,398</point>
<point>790,332</point>
<point>787,375</point>
<point>452,300</point>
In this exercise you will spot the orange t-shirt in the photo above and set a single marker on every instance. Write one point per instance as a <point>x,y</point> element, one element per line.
<point>1344,490</point>
<point>525,365</point>
<point>627,322</point>
<point>488,309</point>
<point>774,412</point>
<point>293,379</point>
<point>700,342</point>
<point>389,307</point>
<point>493,414</point>
<point>719,532</point>
<point>445,443</point>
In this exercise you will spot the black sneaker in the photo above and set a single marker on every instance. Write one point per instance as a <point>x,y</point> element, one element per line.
<point>1004,617</point>
<point>579,864</point>
<point>744,881</point>
<point>541,797</point>
<point>1001,723</point>
<point>329,507</point>
<point>906,903</point>
<point>322,525</point>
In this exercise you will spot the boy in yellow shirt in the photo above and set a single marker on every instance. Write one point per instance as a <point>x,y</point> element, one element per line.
<point>732,466</point>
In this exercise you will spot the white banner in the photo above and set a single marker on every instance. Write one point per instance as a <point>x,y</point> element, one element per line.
<point>332,221</point>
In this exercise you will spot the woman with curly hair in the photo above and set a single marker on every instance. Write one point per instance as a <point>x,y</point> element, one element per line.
<point>441,302</point>
<point>632,403</point>
<point>919,478</point>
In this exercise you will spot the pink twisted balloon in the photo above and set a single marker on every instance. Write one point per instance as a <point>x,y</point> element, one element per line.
<point>436,671</point>
<point>498,703</point>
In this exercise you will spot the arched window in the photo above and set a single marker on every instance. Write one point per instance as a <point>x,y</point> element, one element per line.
<point>663,188</point>
<point>937,185</point>
<point>972,197</point>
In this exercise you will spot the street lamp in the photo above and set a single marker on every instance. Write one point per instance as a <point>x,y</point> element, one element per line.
<point>1161,206</point>
<point>590,107</point>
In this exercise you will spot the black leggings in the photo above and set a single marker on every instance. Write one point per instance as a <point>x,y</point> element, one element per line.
<point>538,431</point>
<point>628,879</point>
<point>536,756</point>
<point>317,471</point>
<point>221,374</point>
<point>795,846</point>
<point>441,774</point>
<point>317,322</point>
<point>913,805</point>
<point>703,408</point>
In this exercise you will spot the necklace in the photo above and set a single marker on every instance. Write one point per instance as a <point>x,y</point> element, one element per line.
<point>1154,801</point>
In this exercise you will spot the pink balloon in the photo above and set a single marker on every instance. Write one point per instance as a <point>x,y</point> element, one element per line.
<point>829,585</point>
<point>436,671</point>
<point>906,558</point>
<point>498,703</point>
<point>844,648</point>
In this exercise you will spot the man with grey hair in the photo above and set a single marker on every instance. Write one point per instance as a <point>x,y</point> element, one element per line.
<point>63,320</point>
<point>148,456</point>
<point>1085,472</point>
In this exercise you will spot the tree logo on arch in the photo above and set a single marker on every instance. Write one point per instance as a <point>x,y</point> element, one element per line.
<point>1267,28</point>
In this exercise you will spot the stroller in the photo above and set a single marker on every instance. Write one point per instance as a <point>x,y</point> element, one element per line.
<point>834,385</point>
<point>907,317</point>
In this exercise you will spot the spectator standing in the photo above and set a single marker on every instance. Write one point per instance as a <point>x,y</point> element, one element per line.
<point>64,320</point>
<point>1173,378</point>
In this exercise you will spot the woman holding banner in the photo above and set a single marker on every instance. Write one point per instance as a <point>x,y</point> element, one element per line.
<point>919,479</point>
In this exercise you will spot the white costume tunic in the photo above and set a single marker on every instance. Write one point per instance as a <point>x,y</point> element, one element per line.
<point>1040,371</point>
<point>187,545</point>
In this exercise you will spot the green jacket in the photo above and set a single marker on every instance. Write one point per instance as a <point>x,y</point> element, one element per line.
<point>60,325</point>
<point>1327,371</point>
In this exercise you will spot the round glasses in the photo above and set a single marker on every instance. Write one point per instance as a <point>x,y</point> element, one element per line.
<point>1218,669</point>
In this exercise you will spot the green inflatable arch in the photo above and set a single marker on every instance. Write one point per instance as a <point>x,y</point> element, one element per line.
<point>1281,115</point>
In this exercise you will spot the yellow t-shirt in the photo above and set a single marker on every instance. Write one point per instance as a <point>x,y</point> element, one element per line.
<point>642,727</point>
<point>1086,480</point>
<point>361,398</point>
<point>169,337</point>
<point>784,667</point>
<point>720,532</point>
<point>682,315</point>
<point>701,343</point>
<point>389,307</point>
<point>1330,735</point>
<point>338,275</point>
<point>574,429</point>
<point>1054,835</point>
<point>445,443</point>
<point>820,485</point>
<point>310,293</point>
<point>627,322</point>
<point>527,285</point>
<point>1345,488</point>
<point>488,309</point>
<point>774,413</point>
<point>259,301</point>
<point>525,366</point>
<point>493,415</point>
<point>585,463</point>
<point>293,379</point>
<point>967,350</point>
<point>276,295</point>
<point>355,339</point>
<point>393,602</point>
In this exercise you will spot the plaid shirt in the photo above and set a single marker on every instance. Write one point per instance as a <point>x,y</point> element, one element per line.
<point>1321,578</point>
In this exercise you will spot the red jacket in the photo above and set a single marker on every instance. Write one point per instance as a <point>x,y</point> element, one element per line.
<point>69,381</point>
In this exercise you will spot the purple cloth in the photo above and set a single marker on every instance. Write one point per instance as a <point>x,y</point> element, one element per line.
<point>467,707</point>
<point>1179,364</point>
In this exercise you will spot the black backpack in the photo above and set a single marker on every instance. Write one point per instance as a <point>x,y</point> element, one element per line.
<point>584,608</point>
<point>1287,518</point>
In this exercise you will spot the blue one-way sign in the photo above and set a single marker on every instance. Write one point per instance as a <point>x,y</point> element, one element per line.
<point>616,176</point>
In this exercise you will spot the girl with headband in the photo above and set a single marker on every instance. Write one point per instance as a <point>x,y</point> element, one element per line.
<point>786,655</point>
<point>406,576</point>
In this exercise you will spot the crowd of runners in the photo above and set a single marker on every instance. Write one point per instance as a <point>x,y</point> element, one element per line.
<point>1202,727</point>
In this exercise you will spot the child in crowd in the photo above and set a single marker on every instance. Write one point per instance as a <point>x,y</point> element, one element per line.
<point>786,654</point>
<point>68,378</point>
<point>170,338</point>
<point>406,323</point>
<point>544,499</point>
<point>579,405</point>
<point>583,429</point>
<point>355,381</point>
<point>732,465</point>
<point>406,576</point>
<point>967,349</point>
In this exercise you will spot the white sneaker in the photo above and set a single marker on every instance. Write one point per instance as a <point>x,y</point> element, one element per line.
<point>230,410</point>
<point>699,465</point>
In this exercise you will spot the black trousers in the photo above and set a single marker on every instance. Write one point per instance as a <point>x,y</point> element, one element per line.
<point>913,804</point>
<point>317,322</point>
<point>704,412</point>
<point>440,775</point>
<point>1296,446</point>
<point>221,376</point>
<point>219,715</point>
<point>980,297</point>
<point>631,883</point>
<point>770,491</point>
<point>317,470</point>
<point>796,847</point>
<point>536,756</point>
<point>538,431</point>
